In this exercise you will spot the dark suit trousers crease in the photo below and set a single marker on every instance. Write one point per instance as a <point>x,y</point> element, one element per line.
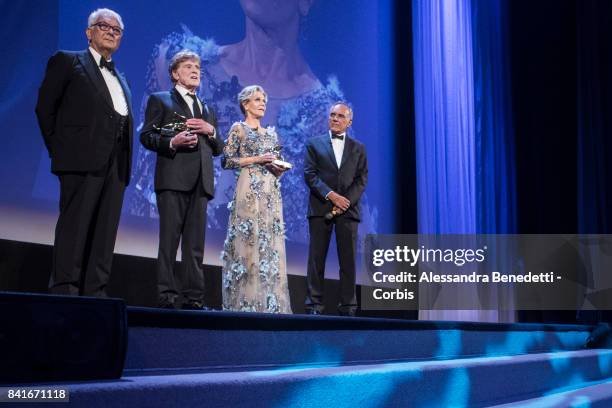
<point>86,230</point>
<point>181,214</point>
<point>320,236</point>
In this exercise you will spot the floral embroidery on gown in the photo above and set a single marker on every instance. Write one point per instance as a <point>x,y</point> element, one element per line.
<point>253,257</point>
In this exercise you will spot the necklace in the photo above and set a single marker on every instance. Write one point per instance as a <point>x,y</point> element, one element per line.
<point>254,129</point>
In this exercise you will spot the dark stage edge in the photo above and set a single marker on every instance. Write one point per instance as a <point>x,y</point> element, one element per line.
<point>165,341</point>
<point>225,320</point>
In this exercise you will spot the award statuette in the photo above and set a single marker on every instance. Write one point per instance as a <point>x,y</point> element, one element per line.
<point>176,126</point>
<point>278,162</point>
<point>335,211</point>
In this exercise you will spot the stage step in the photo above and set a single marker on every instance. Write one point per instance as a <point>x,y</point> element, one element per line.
<point>473,382</point>
<point>166,341</point>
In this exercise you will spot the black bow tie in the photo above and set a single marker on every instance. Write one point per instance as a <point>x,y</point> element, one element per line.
<point>110,65</point>
<point>340,137</point>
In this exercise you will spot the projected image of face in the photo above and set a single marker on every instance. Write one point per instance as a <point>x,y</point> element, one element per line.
<point>105,35</point>
<point>187,74</point>
<point>270,13</point>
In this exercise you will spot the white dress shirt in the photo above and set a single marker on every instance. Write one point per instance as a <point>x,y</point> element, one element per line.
<point>338,146</point>
<point>114,87</point>
<point>184,93</point>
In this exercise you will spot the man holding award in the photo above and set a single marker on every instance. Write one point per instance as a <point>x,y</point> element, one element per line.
<point>182,130</point>
<point>336,171</point>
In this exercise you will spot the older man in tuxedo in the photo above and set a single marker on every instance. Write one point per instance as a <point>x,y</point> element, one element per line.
<point>336,171</point>
<point>184,180</point>
<point>86,121</point>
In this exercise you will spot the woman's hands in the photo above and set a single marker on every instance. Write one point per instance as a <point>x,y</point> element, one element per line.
<point>265,158</point>
<point>266,161</point>
<point>274,169</point>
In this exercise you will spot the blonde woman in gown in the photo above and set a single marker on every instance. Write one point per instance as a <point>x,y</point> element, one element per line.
<point>253,257</point>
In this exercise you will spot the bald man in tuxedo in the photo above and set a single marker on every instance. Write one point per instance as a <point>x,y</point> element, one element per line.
<point>336,172</point>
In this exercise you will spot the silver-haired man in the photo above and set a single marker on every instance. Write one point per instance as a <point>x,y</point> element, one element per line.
<point>86,121</point>
<point>184,180</point>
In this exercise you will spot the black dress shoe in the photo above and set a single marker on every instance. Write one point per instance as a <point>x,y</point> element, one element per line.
<point>314,312</point>
<point>348,313</point>
<point>193,305</point>
<point>166,304</point>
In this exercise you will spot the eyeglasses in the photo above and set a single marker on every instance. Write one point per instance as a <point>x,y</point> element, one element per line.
<point>107,27</point>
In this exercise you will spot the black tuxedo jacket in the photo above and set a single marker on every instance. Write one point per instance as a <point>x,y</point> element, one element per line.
<point>76,115</point>
<point>179,169</point>
<point>322,175</point>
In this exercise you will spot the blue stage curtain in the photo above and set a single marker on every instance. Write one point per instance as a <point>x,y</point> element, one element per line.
<point>465,179</point>
<point>495,176</point>
<point>444,116</point>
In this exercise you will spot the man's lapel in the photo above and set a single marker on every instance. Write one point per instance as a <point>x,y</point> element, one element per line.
<point>89,63</point>
<point>126,91</point>
<point>205,111</point>
<point>180,102</point>
<point>327,146</point>
<point>348,147</point>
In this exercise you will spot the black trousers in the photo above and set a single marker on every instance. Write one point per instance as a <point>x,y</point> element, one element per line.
<point>181,215</point>
<point>90,209</point>
<point>346,238</point>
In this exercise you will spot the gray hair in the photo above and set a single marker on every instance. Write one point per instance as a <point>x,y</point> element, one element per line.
<point>104,12</point>
<point>348,106</point>
<point>180,57</point>
<point>246,94</point>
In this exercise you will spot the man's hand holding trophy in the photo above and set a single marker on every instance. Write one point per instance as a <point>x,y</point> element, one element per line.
<point>180,132</point>
<point>340,205</point>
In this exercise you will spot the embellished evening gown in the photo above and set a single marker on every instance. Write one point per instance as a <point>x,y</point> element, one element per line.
<point>253,257</point>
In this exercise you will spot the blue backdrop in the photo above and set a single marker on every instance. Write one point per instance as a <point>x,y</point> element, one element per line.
<point>347,49</point>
